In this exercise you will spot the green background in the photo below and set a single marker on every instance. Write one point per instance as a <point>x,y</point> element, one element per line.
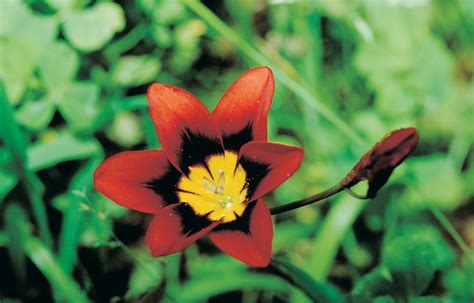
<point>73,77</point>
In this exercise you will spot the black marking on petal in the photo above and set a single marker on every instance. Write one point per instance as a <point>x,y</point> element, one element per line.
<point>196,148</point>
<point>187,191</point>
<point>236,141</point>
<point>256,171</point>
<point>246,185</point>
<point>191,223</point>
<point>209,171</point>
<point>165,186</point>
<point>242,223</point>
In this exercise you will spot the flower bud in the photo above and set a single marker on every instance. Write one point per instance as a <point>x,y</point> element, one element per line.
<point>378,163</point>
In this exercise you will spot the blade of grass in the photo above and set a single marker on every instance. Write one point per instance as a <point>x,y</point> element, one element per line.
<point>82,197</point>
<point>14,141</point>
<point>340,218</point>
<point>443,220</point>
<point>3,239</point>
<point>8,181</point>
<point>316,291</point>
<point>309,100</point>
<point>74,217</point>
<point>63,285</point>
<point>16,226</point>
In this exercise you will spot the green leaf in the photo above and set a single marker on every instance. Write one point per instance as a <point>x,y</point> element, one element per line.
<point>92,28</point>
<point>384,299</point>
<point>289,233</point>
<point>63,284</point>
<point>201,289</point>
<point>59,65</point>
<point>214,266</point>
<point>337,222</point>
<point>166,11</point>
<point>16,225</point>
<point>62,147</point>
<point>375,283</point>
<point>73,224</point>
<point>161,35</point>
<point>125,129</point>
<point>19,21</point>
<point>64,5</point>
<point>7,182</point>
<point>35,115</point>
<point>459,281</point>
<point>15,142</point>
<point>135,70</point>
<point>78,104</point>
<point>316,291</point>
<point>147,275</point>
<point>96,230</point>
<point>23,36</point>
<point>10,132</point>
<point>436,299</point>
<point>414,255</point>
<point>187,37</point>
<point>437,183</point>
<point>18,58</point>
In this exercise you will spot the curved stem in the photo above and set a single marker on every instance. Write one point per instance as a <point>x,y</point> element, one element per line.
<point>354,194</point>
<point>303,202</point>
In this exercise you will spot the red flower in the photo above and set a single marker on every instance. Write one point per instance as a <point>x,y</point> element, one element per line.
<point>212,173</point>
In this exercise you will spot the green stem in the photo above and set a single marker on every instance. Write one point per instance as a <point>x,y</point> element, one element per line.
<point>451,230</point>
<point>74,218</point>
<point>132,38</point>
<point>303,202</point>
<point>13,138</point>
<point>310,101</point>
<point>354,194</point>
<point>134,257</point>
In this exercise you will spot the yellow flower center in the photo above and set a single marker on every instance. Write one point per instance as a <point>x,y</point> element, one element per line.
<point>218,191</point>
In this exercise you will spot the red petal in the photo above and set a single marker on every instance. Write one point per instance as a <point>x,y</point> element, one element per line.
<point>241,113</point>
<point>129,179</point>
<point>174,228</point>
<point>249,238</point>
<point>184,126</point>
<point>268,165</point>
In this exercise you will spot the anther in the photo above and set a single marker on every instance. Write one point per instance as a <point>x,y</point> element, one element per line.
<point>221,181</point>
<point>207,184</point>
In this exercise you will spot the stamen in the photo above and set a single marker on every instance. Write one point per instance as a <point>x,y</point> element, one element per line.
<point>207,184</point>
<point>221,181</point>
<point>217,189</point>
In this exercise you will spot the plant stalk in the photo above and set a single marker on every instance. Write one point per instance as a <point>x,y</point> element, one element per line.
<point>303,202</point>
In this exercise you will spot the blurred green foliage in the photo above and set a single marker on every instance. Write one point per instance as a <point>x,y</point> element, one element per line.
<point>73,77</point>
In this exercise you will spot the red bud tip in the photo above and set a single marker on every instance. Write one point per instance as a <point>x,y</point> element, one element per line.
<point>378,163</point>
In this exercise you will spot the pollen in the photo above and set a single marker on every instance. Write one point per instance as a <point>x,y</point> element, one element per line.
<point>217,190</point>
